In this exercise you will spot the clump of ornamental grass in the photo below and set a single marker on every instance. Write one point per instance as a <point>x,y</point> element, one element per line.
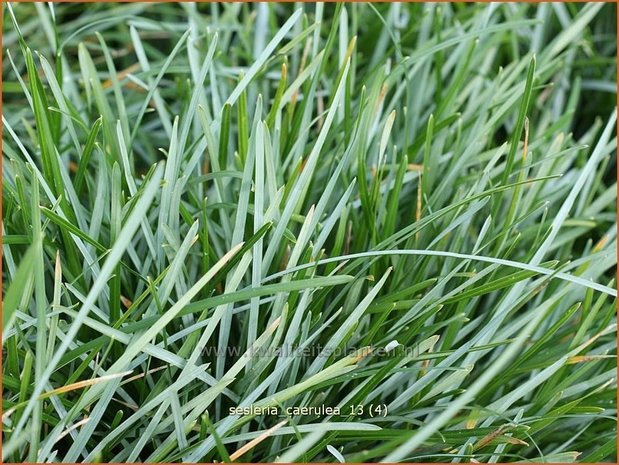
<point>318,232</point>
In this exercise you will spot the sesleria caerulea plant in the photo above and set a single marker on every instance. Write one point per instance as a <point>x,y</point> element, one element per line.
<point>309,232</point>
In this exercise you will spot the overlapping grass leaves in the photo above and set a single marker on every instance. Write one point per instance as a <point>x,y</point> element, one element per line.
<point>190,191</point>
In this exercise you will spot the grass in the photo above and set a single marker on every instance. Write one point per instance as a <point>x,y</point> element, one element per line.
<point>419,199</point>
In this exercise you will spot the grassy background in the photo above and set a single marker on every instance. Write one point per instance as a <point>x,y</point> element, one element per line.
<point>188,188</point>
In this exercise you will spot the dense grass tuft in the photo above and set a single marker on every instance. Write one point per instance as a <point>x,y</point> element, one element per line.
<point>419,200</point>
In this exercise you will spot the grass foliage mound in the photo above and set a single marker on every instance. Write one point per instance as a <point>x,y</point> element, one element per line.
<point>311,232</point>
